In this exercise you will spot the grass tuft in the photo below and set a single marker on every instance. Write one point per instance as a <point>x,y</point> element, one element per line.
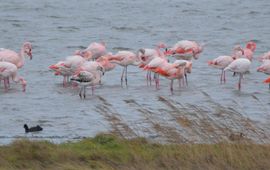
<point>106,151</point>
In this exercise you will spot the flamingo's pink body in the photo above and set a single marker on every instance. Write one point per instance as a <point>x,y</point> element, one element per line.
<point>146,55</point>
<point>171,71</point>
<point>240,66</point>
<point>185,49</point>
<point>221,62</point>
<point>67,67</point>
<point>93,51</point>
<point>247,52</point>
<point>265,67</point>
<point>105,63</point>
<point>16,58</point>
<point>124,59</point>
<point>9,70</point>
<point>265,56</point>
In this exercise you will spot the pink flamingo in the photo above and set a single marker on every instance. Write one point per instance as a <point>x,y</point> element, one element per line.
<point>267,81</point>
<point>124,59</point>
<point>153,65</point>
<point>67,67</point>
<point>16,58</point>
<point>104,61</point>
<point>265,56</point>
<point>247,51</point>
<point>221,62</point>
<point>8,70</point>
<point>146,55</point>
<point>185,49</point>
<point>240,66</point>
<point>168,70</point>
<point>93,51</point>
<point>265,68</point>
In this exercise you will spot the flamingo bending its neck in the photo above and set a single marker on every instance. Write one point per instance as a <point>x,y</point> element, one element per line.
<point>240,66</point>
<point>9,70</point>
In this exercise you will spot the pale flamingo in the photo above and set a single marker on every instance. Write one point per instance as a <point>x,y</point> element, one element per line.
<point>240,66</point>
<point>221,62</point>
<point>84,79</point>
<point>9,70</point>
<point>67,67</point>
<point>92,67</point>
<point>16,58</point>
<point>93,51</point>
<point>185,49</point>
<point>124,59</point>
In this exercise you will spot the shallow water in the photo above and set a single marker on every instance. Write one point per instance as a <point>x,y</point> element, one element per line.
<point>57,29</point>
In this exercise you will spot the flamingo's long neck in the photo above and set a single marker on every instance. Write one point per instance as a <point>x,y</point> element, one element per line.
<point>22,55</point>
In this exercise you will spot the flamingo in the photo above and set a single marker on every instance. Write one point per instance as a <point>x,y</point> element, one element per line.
<point>265,68</point>
<point>265,56</point>
<point>85,78</point>
<point>16,58</point>
<point>67,67</point>
<point>169,70</point>
<point>153,64</point>
<point>146,55</point>
<point>221,62</point>
<point>267,81</point>
<point>124,59</point>
<point>105,63</point>
<point>8,70</point>
<point>185,49</point>
<point>241,66</point>
<point>93,51</point>
<point>247,52</point>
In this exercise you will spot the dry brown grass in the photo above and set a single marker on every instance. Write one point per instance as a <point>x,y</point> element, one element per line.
<point>110,152</point>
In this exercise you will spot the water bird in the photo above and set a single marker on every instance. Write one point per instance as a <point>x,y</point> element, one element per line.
<point>9,70</point>
<point>221,62</point>
<point>16,58</point>
<point>124,59</point>
<point>241,66</point>
<point>32,129</point>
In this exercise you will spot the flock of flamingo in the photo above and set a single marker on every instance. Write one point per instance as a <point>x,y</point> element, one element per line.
<point>86,67</point>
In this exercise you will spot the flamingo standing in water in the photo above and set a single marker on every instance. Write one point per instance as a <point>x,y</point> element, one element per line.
<point>171,71</point>
<point>93,51</point>
<point>153,64</point>
<point>104,61</point>
<point>265,68</point>
<point>85,78</point>
<point>185,49</point>
<point>67,67</point>
<point>146,55</point>
<point>9,70</point>
<point>124,59</point>
<point>16,58</point>
<point>221,62</point>
<point>240,66</point>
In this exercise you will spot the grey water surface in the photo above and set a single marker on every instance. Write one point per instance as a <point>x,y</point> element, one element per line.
<point>203,112</point>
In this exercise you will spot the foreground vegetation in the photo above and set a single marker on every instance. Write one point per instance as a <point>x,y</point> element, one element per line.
<point>111,152</point>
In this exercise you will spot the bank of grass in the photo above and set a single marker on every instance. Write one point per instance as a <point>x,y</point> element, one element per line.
<point>111,152</point>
